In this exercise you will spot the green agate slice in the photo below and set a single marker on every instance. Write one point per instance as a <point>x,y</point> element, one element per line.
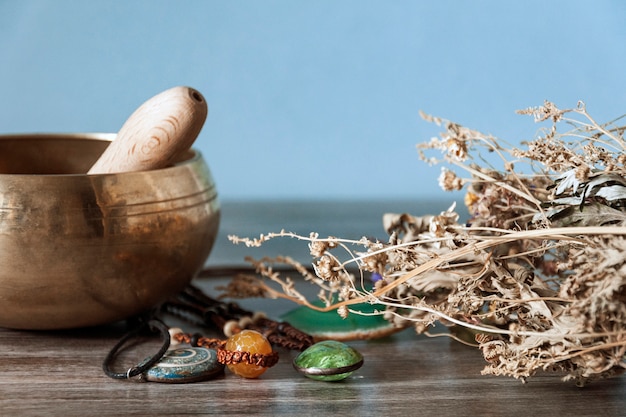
<point>329,325</point>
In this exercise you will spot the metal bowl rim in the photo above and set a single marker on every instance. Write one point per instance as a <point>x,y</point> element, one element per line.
<point>99,136</point>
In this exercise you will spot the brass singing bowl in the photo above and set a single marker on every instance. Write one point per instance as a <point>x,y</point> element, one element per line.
<point>82,250</point>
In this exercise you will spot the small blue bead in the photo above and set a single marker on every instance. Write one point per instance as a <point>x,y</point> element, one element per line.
<point>376,277</point>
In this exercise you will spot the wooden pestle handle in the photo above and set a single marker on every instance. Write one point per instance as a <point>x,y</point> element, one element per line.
<point>158,131</point>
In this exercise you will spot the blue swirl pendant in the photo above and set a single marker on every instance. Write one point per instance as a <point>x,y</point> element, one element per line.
<point>190,364</point>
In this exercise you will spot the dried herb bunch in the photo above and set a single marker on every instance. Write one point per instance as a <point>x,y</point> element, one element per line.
<point>537,274</point>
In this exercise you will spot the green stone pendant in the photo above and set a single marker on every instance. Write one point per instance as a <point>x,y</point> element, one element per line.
<point>328,361</point>
<point>183,365</point>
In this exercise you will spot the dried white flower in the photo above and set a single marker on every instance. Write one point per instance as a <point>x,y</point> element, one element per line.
<point>448,181</point>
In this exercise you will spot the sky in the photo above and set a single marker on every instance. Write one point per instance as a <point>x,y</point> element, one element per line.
<point>312,99</point>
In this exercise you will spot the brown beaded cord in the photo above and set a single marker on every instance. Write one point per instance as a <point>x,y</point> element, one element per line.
<point>193,305</point>
<point>224,356</point>
<point>174,336</point>
<point>282,334</point>
<point>228,357</point>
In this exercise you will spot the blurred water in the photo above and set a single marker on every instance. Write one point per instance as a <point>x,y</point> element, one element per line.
<point>345,219</point>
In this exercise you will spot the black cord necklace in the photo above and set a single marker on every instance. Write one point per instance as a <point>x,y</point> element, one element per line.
<point>206,357</point>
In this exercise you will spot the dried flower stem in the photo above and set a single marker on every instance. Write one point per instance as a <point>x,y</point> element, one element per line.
<point>539,272</point>
<point>563,233</point>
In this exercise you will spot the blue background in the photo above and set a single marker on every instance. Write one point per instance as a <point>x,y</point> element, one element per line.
<point>312,99</point>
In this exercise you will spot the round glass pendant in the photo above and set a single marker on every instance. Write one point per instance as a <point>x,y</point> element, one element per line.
<point>328,360</point>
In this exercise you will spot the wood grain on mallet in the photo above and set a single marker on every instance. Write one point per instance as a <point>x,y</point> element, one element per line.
<point>156,133</point>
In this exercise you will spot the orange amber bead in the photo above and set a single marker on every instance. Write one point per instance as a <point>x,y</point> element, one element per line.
<point>248,341</point>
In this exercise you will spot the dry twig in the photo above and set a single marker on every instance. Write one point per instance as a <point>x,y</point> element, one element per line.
<point>538,273</point>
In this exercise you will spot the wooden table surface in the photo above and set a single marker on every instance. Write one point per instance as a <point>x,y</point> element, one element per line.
<point>59,373</point>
